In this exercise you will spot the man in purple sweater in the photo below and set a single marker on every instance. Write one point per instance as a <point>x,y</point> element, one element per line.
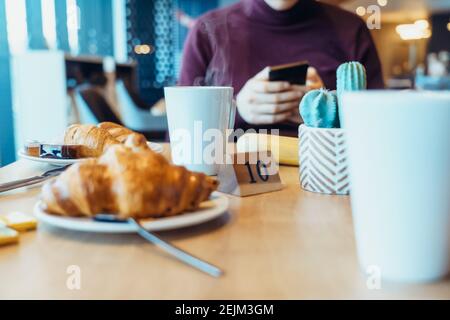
<point>234,46</point>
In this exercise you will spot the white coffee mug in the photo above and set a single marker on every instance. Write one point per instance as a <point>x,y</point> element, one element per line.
<point>399,160</point>
<point>198,119</point>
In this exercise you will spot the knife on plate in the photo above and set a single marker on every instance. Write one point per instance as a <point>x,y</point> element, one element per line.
<point>31,181</point>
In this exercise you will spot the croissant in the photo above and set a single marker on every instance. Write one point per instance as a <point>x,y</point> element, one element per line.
<point>137,183</point>
<point>94,140</point>
<point>120,133</point>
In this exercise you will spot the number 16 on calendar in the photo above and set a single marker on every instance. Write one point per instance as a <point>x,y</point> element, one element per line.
<point>249,173</point>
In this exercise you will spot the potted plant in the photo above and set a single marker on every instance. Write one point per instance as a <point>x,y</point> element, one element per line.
<point>322,148</point>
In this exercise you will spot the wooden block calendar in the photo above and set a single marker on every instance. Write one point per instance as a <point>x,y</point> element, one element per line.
<point>249,173</point>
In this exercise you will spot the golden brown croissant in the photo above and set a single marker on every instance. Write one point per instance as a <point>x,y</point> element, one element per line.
<point>121,133</point>
<point>96,139</point>
<point>127,182</point>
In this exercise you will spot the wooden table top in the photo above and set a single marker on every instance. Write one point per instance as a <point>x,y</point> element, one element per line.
<point>289,244</point>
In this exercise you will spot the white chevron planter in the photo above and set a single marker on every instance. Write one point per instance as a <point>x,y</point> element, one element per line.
<point>323,160</point>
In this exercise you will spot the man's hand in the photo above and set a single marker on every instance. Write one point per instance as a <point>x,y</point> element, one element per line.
<point>268,102</point>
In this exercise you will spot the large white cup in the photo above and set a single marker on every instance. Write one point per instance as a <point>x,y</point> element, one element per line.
<point>399,161</point>
<point>198,119</point>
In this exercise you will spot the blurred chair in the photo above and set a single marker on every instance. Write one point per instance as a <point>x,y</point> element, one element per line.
<point>136,114</point>
<point>424,82</point>
<point>105,92</point>
<point>132,116</point>
<point>92,106</point>
<point>82,112</point>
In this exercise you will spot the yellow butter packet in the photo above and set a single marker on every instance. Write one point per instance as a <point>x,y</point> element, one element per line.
<point>7,235</point>
<point>19,221</point>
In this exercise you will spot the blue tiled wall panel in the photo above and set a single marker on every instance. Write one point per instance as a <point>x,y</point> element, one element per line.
<point>61,25</point>
<point>7,153</point>
<point>34,25</point>
<point>96,25</point>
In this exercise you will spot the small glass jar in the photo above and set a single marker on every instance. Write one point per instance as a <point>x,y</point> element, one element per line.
<point>32,148</point>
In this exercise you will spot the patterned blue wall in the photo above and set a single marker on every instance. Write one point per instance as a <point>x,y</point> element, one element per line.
<point>96,25</point>
<point>61,25</point>
<point>193,8</point>
<point>154,23</point>
<point>6,119</point>
<point>34,25</point>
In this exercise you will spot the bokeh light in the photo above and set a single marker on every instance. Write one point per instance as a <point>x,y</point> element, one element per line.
<point>361,11</point>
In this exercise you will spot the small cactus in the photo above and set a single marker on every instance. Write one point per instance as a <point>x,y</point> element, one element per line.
<point>351,76</point>
<point>318,109</point>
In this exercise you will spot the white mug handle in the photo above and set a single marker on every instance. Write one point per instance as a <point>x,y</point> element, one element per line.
<point>232,118</point>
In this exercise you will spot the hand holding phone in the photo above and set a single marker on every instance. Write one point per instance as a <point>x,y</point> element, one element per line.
<point>294,73</point>
<point>261,101</point>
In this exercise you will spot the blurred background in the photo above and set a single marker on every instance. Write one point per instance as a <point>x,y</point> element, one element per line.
<point>67,61</point>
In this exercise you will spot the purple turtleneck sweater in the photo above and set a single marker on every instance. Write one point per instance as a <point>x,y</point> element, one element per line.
<point>229,46</point>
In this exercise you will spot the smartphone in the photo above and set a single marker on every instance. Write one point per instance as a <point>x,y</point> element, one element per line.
<point>294,73</point>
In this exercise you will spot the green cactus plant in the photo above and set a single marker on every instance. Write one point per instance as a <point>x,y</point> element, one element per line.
<point>351,76</point>
<point>319,109</point>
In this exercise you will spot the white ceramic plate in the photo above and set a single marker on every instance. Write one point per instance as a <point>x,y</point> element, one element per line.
<point>216,206</point>
<point>64,162</point>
